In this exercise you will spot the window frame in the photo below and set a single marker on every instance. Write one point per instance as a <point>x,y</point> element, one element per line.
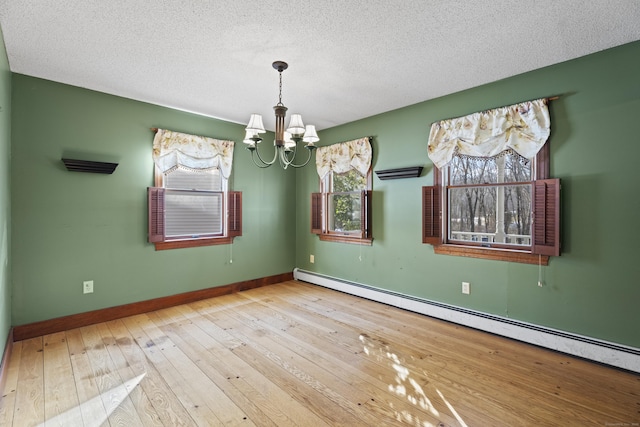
<point>231,210</point>
<point>545,232</point>
<point>320,218</point>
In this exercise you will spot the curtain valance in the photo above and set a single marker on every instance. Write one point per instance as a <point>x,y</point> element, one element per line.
<point>522,127</point>
<point>175,149</point>
<point>344,156</point>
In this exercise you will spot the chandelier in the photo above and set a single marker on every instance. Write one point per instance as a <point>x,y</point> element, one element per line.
<point>286,141</point>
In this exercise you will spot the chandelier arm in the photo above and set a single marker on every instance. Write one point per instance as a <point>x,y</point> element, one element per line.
<point>263,165</point>
<point>305,163</point>
<point>283,159</point>
<point>289,159</point>
<point>260,157</point>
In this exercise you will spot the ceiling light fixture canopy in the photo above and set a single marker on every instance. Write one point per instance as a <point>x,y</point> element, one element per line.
<point>286,141</point>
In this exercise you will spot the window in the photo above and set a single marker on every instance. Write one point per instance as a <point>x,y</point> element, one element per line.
<point>498,206</point>
<point>190,206</point>
<point>341,211</point>
<point>193,204</point>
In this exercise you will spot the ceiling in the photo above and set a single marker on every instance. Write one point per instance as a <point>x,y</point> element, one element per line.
<point>348,59</point>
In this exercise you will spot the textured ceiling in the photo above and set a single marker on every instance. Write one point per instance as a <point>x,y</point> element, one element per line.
<point>348,59</point>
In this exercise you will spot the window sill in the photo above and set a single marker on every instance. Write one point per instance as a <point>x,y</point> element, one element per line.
<point>192,243</point>
<point>493,254</point>
<point>345,239</point>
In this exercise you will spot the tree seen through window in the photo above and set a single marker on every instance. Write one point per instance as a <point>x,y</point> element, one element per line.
<point>345,201</point>
<point>490,199</point>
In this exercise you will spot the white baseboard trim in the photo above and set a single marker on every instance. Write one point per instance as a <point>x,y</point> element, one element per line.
<point>577,345</point>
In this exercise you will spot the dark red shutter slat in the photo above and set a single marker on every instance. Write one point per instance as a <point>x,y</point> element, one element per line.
<point>156,214</point>
<point>316,213</point>
<point>234,201</point>
<point>365,214</point>
<point>431,215</point>
<point>546,217</point>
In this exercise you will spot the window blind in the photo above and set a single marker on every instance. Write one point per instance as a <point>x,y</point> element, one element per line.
<point>193,213</point>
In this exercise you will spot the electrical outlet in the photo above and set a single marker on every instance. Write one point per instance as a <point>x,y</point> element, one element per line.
<point>312,259</point>
<point>87,287</point>
<point>465,287</point>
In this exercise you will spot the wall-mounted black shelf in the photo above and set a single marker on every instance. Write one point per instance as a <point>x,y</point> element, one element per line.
<point>411,172</point>
<point>75,165</point>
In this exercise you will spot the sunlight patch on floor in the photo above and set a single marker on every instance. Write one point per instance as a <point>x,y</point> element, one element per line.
<point>452,409</point>
<point>407,386</point>
<point>73,416</point>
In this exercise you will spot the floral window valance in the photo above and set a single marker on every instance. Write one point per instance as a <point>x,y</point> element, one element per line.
<point>344,156</point>
<point>523,128</point>
<point>174,149</point>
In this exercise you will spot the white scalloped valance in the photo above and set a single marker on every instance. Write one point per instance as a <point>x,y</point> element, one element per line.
<point>174,149</point>
<point>522,127</point>
<point>344,156</point>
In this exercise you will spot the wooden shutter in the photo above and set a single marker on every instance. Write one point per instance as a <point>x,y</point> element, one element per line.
<point>234,216</point>
<point>365,214</point>
<point>431,215</point>
<point>316,213</point>
<point>546,217</point>
<point>156,214</point>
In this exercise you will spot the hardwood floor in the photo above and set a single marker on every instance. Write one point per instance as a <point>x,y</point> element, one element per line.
<point>295,354</point>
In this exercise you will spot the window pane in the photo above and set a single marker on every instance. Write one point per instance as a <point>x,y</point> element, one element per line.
<point>517,214</point>
<point>472,213</point>
<point>500,214</point>
<point>348,181</point>
<point>466,170</point>
<point>345,211</point>
<point>191,180</point>
<point>193,214</point>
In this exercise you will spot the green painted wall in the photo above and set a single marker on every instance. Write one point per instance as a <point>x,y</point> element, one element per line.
<point>5,197</point>
<point>593,289</point>
<point>70,226</point>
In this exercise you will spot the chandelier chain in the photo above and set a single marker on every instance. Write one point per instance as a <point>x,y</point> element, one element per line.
<point>280,90</point>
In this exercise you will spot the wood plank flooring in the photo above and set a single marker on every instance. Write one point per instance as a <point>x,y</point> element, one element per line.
<point>295,354</point>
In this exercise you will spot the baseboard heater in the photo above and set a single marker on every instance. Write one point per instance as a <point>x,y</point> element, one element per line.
<point>600,351</point>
